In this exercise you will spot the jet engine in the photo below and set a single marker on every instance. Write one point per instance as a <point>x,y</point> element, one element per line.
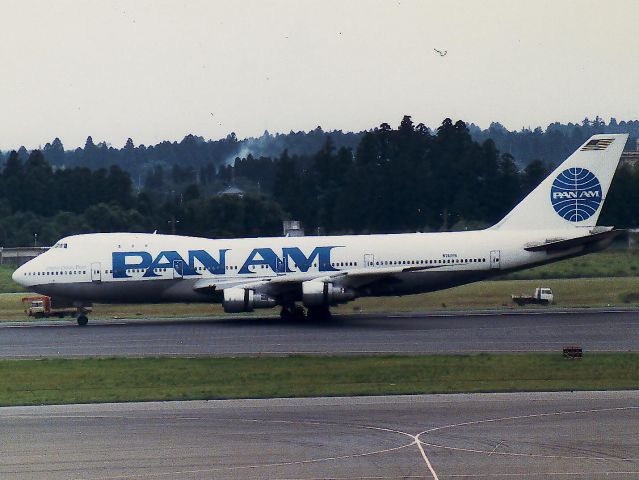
<point>321,294</point>
<point>244,300</point>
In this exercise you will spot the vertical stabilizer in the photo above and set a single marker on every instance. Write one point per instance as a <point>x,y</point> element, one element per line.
<point>574,193</point>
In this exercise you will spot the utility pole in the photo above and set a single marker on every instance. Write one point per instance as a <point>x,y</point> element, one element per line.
<point>173,222</point>
<point>445,220</point>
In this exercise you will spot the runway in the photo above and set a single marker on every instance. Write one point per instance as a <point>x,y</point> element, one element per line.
<point>587,435</point>
<point>541,331</point>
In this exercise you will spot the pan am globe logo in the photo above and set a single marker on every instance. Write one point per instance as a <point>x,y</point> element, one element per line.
<point>576,194</point>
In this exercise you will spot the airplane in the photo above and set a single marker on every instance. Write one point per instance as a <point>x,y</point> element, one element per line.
<point>557,220</point>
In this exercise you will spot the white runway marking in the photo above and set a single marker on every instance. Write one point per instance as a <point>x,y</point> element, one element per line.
<point>419,446</point>
<point>428,464</point>
<point>496,447</point>
<point>250,467</point>
<point>528,475</point>
<point>519,417</point>
<point>274,464</point>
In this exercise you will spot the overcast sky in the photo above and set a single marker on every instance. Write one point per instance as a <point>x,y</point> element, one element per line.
<point>158,70</point>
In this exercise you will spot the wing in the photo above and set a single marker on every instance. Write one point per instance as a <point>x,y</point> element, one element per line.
<point>283,284</point>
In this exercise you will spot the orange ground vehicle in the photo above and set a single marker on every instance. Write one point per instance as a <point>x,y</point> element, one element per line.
<point>45,307</point>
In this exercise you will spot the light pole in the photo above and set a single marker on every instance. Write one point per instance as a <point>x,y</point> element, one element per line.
<point>35,239</point>
<point>173,222</point>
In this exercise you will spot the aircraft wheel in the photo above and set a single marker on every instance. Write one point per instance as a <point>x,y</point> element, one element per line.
<point>299,313</point>
<point>317,314</point>
<point>82,320</point>
<point>286,314</point>
<point>293,313</point>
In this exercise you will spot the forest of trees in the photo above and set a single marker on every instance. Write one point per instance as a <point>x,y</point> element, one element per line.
<point>201,156</point>
<point>400,179</point>
<point>556,142</point>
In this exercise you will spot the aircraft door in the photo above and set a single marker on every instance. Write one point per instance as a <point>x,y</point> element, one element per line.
<point>281,265</point>
<point>178,269</point>
<point>494,260</point>
<point>369,260</point>
<point>96,272</point>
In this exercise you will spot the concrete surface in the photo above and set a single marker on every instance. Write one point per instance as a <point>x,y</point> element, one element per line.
<point>585,435</point>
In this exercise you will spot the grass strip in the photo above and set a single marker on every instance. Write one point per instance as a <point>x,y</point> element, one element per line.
<point>28,382</point>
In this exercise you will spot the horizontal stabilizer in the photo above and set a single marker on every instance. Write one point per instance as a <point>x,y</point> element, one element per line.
<point>558,245</point>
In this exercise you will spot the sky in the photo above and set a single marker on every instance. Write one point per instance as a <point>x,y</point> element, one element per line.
<point>159,70</point>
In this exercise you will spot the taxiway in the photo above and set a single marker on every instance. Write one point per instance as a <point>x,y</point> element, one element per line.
<point>586,435</point>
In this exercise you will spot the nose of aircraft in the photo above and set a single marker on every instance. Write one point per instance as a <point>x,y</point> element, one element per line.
<point>17,275</point>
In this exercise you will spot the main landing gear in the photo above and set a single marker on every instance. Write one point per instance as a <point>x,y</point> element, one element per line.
<point>292,313</point>
<point>295,313</point>
<point>82,319</point>
<point>318,314</point>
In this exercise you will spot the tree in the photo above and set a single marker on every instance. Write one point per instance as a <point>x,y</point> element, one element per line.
<point>13,167</point>
<point>54,152</point>
<point>192,192</point>
<point>38,184</point>
<point>118,187</point>
<point>532,176</point>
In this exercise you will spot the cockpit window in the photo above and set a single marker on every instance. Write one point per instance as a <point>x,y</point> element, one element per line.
<point>60,245</point>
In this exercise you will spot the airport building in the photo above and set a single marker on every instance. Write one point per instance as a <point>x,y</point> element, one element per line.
<point>19,255</point>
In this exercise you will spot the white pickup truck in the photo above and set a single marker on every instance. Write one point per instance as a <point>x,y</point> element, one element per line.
<point>542,296</point>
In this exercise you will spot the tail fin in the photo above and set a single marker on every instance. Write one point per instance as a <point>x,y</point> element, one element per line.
<point>574,193</point>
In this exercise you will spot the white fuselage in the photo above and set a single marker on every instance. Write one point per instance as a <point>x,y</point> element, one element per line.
<point>129,267</point>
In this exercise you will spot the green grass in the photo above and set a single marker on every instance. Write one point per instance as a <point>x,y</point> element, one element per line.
<point>582,292</point>
<point>609,263</point>
<point>7,285</point>
<point>116,380</point>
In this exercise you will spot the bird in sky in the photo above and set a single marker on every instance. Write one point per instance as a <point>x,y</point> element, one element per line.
<point>441,54</point>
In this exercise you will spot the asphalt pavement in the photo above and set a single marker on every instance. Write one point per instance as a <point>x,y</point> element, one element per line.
<point>406,333</point>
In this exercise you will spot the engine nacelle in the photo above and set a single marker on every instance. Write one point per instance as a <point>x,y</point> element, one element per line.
<point>243,300</point>
<point>321,294</point>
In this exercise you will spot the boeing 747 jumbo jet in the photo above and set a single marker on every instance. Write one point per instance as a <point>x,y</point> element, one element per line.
<point>556,220</point>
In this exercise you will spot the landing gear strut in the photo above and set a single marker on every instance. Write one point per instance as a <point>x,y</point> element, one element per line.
<point>293,313</point>
<point>318,314</point>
